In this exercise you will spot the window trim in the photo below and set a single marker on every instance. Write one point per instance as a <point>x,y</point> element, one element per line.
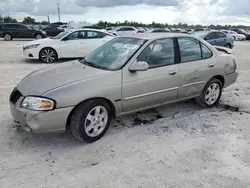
<point>179,51</point>
<point>175,52</point>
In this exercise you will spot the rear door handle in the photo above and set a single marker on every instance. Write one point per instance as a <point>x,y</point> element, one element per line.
<point>211,65</point>
<point>172,72</point>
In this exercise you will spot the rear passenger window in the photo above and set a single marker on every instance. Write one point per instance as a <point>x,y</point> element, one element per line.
<point>221,35</point>
<point>159,53</point>
<point>206,52</point>
<point>94,35</point>
<point>189,49</point>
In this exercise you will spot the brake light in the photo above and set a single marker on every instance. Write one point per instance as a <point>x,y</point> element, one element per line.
<point>235,65</point>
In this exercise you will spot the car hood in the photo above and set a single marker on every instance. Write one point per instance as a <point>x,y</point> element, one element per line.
<point>43,80</point>
<point>40,41</point>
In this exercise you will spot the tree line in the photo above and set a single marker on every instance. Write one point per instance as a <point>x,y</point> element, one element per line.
<point>31,21</point>
<point>165,25</point>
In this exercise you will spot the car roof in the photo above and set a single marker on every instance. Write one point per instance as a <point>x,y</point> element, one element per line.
<point>152,36</point>
<point>88,29</point>
<point>12,24</point>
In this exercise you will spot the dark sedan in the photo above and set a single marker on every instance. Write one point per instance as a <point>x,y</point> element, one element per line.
<point>52,30</point>
<point>8,31</point>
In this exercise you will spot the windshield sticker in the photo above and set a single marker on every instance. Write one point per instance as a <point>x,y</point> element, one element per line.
<point>130,46</point>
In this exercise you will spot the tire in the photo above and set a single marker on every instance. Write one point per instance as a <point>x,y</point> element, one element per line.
<point>38,36</point>
<point>87,123</point>
<point>207,102</point>
<point>48,55</point>
<point>7,37</point>
<point>234,38</point>
<point>228,46</point>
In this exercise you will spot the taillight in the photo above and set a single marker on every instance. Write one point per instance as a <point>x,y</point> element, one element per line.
<point>235,64</point>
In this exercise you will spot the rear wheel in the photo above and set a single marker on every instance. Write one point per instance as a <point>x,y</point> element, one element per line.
<point>211,94</point>
<point>7,37</point>
<point>228,46</point>
<point>48,55</point>
<point>90,120</point>
<point>38,36</point>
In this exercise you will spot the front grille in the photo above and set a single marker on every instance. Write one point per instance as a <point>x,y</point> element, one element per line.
<point>15,95</point>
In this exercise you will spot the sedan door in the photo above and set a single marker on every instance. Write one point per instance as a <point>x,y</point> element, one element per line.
<point>157,85</point>
<point>25,32</point>
<point>212,38</point>
<point>197,66</point>
<point>91,40</point>
<point>221,39</point>
<point>69,45</point>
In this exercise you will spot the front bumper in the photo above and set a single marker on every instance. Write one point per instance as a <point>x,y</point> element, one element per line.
<point>32,53</point>
<point>40,121</point>
<point>230,79</point>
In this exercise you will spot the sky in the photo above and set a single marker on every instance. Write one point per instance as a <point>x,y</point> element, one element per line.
<point>164,11</point>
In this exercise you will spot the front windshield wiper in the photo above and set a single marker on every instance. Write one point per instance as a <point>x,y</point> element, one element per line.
<point>83,61</point>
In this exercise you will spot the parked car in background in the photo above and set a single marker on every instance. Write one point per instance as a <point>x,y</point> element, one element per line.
<point>52,30</point>
<point>125,30</point>
<point>14,30</point>
<point>235,35</point>
<point>160,30</point>
<point>201,29</point>
<point>68,44</point>
<point>243,32</point>
<point>217,38</point>
<point>125,75</point>
<point>140,30</point>
<point>93,27</point>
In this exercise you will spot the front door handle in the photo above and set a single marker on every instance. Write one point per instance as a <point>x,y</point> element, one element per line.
<point>172,72</point>
<point>211,65</point>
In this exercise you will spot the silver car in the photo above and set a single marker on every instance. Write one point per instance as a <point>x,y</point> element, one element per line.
<point>125,75</point>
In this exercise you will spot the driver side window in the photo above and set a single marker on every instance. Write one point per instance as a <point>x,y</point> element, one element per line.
<point>73,36</point>
<point>158,53</point>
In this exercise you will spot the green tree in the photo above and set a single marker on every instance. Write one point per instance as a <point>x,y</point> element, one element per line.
<point>1,19</point>
<point>29,20</point>
<point>44,22</point>
<point>8,19</point>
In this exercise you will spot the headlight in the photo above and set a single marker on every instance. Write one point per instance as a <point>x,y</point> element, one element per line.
<point>38,103</point>
<point>31,46</point>
<point>44,32</point>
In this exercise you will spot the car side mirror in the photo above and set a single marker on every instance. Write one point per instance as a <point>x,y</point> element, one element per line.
<point>207,38</point>
<point>139,66</point>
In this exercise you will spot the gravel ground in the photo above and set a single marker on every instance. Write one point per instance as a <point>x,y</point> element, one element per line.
<point>174,146</point>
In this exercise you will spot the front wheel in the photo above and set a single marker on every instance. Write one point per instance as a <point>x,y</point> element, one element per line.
<point>211,94</point>
<point>48,55</point>
<point>90,120</point>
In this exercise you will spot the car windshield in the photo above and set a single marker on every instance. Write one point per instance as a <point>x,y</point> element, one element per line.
<point>61,35</point>
<point>114,54</point>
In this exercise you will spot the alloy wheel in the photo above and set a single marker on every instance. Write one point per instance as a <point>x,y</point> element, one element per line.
<point>7,37</point>
<point>48,55</point>
<point>39,37</point>
<point>96,121</point>
<point>212,94</point>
